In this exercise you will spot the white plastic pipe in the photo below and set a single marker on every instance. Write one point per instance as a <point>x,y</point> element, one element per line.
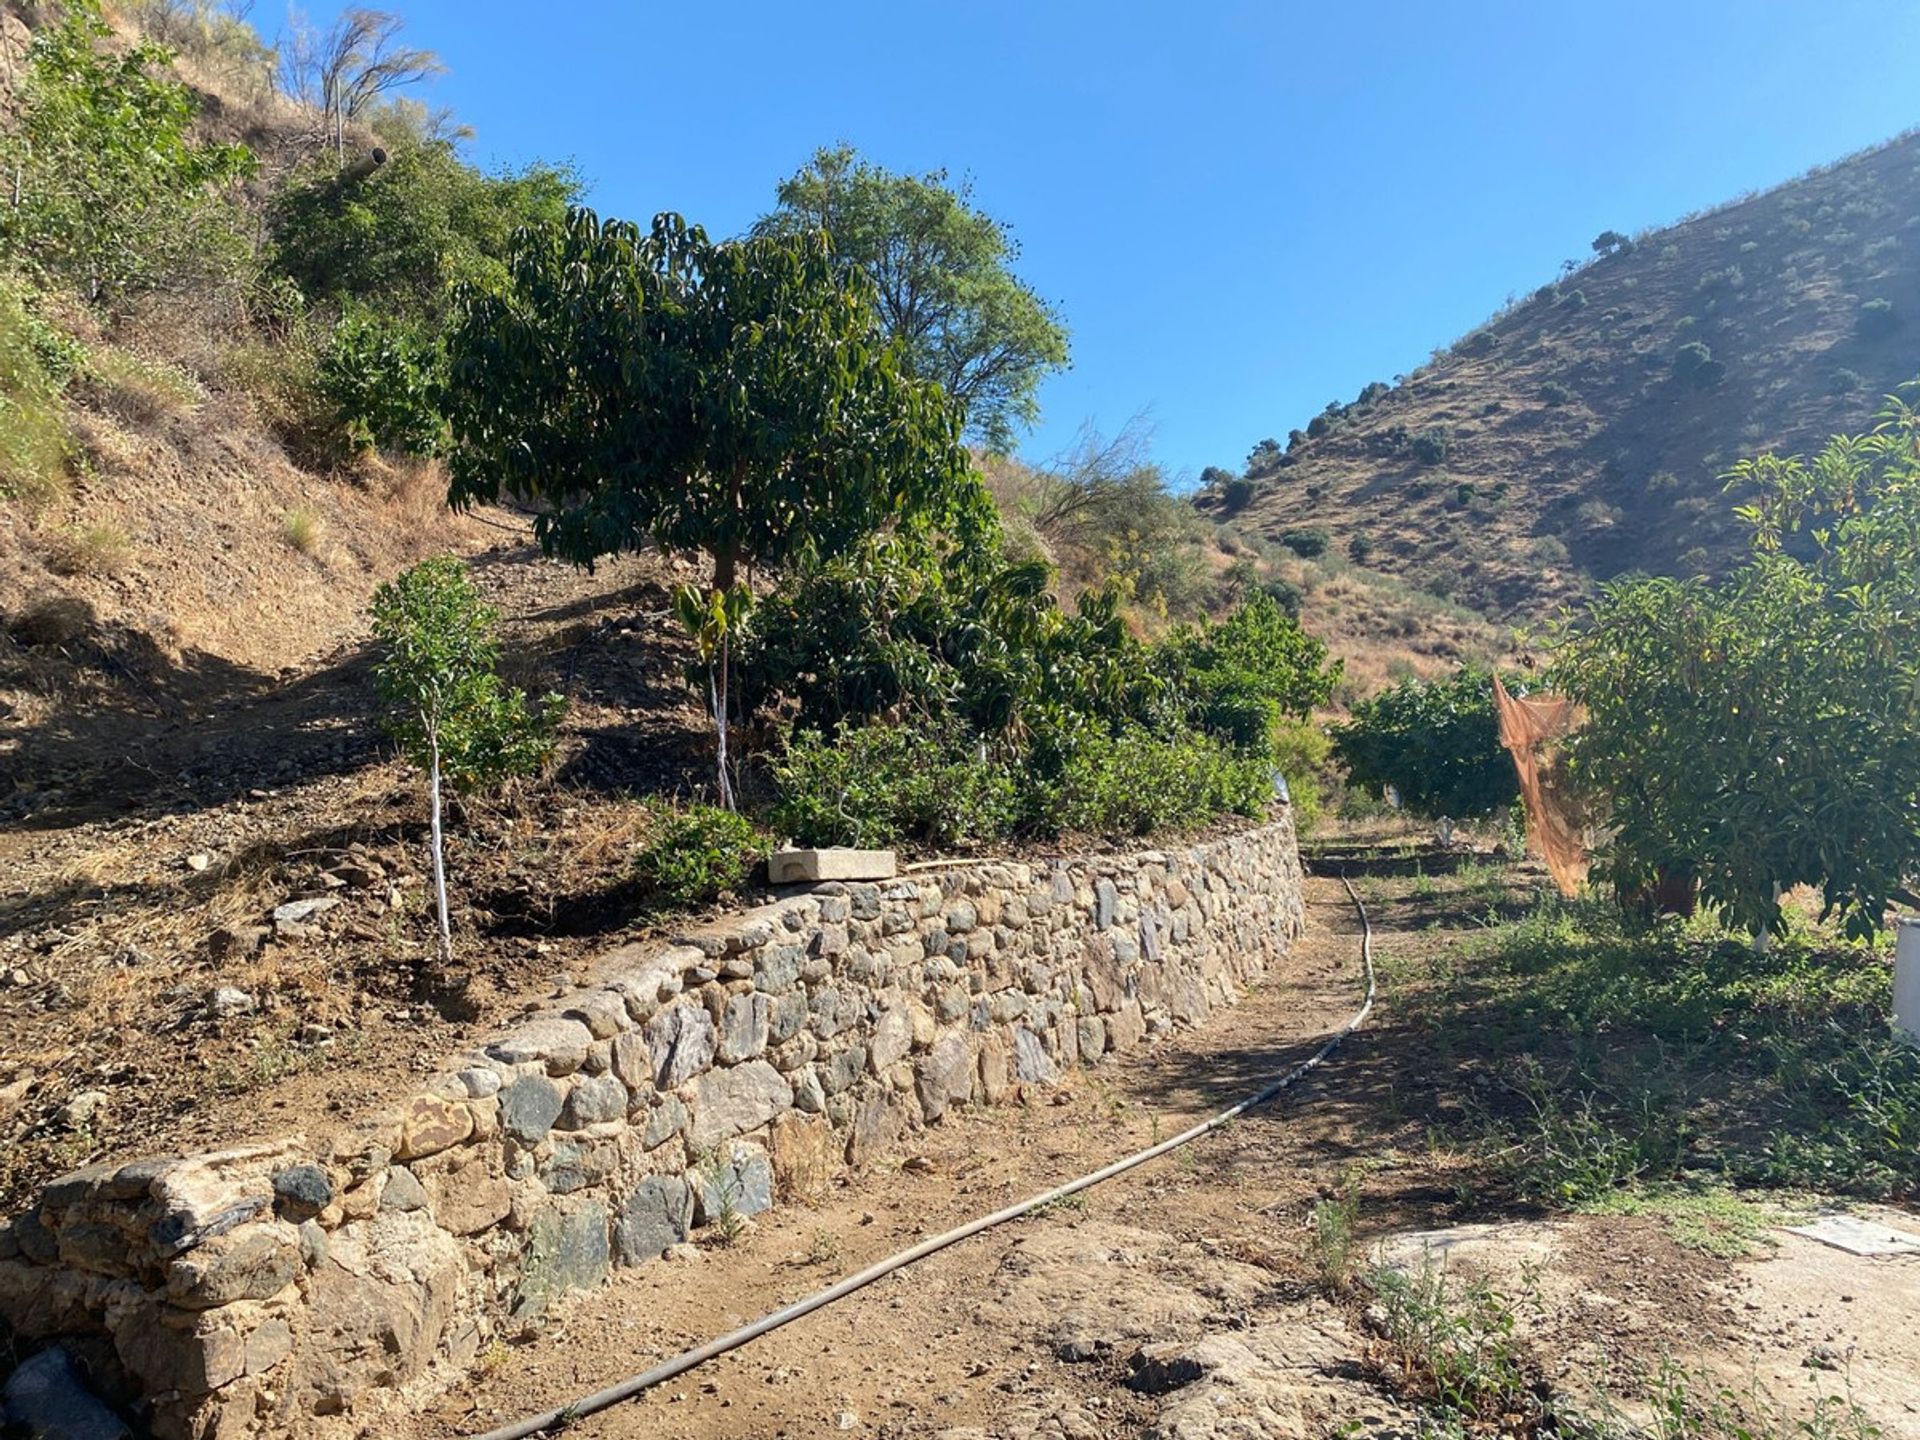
<point>1906,980</point>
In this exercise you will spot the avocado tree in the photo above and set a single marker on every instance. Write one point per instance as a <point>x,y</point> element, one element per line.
<point>1435,742</point>
<point>734,399</point>
<point>1764,732</point>
<point>449,711</point>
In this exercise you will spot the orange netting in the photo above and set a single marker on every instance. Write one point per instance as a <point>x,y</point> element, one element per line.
<point>1532,727</point>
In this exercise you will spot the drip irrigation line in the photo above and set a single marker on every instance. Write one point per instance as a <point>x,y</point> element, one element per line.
<point>687,1360</point>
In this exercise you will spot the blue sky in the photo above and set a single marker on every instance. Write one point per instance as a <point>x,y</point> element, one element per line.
<point>1241,210</point>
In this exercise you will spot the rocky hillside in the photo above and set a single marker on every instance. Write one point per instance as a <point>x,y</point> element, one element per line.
<point>1583,430</point>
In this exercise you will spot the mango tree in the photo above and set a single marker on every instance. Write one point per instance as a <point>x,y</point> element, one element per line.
<point>736,399</point>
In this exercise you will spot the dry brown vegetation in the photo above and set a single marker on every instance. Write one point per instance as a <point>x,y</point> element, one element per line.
<point>1575,448</point>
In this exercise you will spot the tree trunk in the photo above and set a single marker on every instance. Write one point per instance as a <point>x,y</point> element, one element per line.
<point>725,568</point>
<point>439,848</point>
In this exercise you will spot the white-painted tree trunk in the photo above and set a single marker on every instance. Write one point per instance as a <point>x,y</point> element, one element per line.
<point>439,850</point>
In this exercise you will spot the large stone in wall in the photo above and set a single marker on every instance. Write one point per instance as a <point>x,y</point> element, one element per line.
<point>564,1252</point>
<point>658,1214</point>
<point>944,1076</point>
<point>377,1309</point>
<point>682,1041</point>
<point>739,1183</point>
<point>733,1101</point>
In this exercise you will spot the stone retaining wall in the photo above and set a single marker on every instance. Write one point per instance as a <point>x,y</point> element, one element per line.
<point>304,1288</point>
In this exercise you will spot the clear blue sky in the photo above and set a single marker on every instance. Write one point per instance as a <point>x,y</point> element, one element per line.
<point>1241,210</point>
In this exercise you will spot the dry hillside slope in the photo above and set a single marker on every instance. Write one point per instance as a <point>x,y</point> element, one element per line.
<point>1578,443</point>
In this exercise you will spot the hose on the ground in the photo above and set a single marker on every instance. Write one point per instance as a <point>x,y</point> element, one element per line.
<point>687,1360</point>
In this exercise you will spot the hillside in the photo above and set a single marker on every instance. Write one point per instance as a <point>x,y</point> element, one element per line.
<point>1582,431</point>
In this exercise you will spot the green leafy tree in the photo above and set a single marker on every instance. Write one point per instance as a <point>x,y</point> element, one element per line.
<point>735,399</point>
<point>450,712</point>
<point>382,378</point>
<point>1763,732</point>
<point>110,191</point>
<point>398,238</point>
<point>941,270</point>
<point>1238,678</point>
<point>1435,742</point>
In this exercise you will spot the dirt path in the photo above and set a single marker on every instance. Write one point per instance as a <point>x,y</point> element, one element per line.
<point>1180,1301</point>
<point>1035,1319</point>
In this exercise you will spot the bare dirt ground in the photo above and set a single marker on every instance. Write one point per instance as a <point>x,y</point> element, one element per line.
<point>159,811</point>
<point>1181,1300</point>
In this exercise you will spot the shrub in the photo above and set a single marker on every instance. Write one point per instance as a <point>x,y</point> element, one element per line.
<point>1360,549</point>
<point>1264,456</point>
<point>34,368</point>
<point>1216,478</point>
<point>1436,743</point>
<point>1463,494</point>
<point>1319,426</point>
<point>877,785</point>
<point>1554,393</point>
<point>695,854</point>
<point>1301,751</point>
<point>400,237</point>
<point>1306,543</point>
<point>380,377</point>
<point>1238,678</point>
<point>1480,342</point>
<point>1575,300</point>
<point>1135,783</point>
<point>1430,447</point>
<point>1285,594</point>
<point>1237,492</point>
<point>112,193</point>
<point>1611,242</point>
<point>301,528</point>
<point>80,549</point>
<point>1876,320</point>
<point>1844,381</point>
<point>1693,363</point>
<point>1389,440</point>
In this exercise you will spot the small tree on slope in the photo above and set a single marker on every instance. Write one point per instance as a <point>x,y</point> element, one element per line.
<point>451,715</point>
<point>737,399</point>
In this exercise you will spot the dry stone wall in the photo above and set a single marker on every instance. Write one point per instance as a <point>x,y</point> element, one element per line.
<point>306,1287</point>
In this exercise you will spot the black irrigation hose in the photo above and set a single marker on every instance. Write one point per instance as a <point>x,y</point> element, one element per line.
<point>687,1360</point>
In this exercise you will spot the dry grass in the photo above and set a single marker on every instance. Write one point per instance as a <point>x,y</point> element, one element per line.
<point>137,389</point>
<point>88,549</point>
<point>301,528</point>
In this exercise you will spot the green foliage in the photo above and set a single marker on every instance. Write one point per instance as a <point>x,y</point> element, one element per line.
<point>1876,320</point>
<point>940,270</point>
<point>1790,1075</point>
<point>1764,732</point>
<point>399,238</point>
<point>437,672</point>
<point>381,378</point>
<point>875,785</point>
<point>695,854</point>
<point>1694,364</point>
<point>1302,751</point>
<point>1238,678</point>
<point>936,786</point>
<point>1360,549</point>
<point>36,361</point>
<point>1844,381</point>
<point>1238,491</point>
<point>737,398</point>
<point>114,194</point>
<point>898,627</point>
<point>1611,242</point>
<point>1430,447</point>
<point>1554,393</point>
<point>1435,742</point>
<point>1136,782</point>
<point>1263,457</point>
<point>1306,543</point>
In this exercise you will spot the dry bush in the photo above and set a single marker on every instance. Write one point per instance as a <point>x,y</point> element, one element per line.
<point>87,549</point>
<point>138,390</point>
<point>301,527</point>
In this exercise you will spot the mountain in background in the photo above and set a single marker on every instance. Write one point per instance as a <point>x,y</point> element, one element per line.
<point>1582,431</point>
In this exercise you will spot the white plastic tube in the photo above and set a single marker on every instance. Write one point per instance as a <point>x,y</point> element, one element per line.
<point>1906,980</point>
